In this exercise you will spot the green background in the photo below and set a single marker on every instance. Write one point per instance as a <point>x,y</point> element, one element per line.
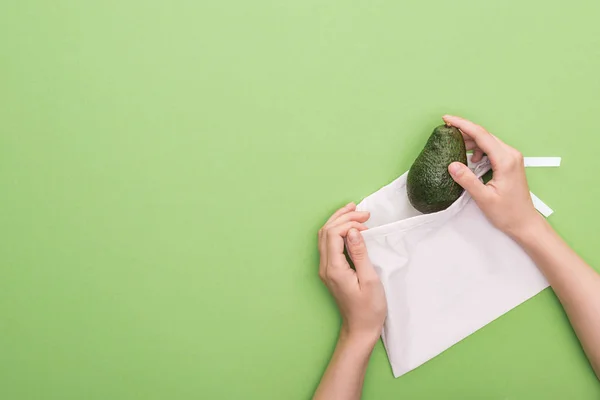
<point>165,166</point>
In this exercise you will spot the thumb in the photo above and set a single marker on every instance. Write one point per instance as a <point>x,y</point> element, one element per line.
<point>358,253</point>
<point>467,179</point>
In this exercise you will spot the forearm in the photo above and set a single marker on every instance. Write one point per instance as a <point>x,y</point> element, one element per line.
<point>575,283</point>
<point>345,373</point>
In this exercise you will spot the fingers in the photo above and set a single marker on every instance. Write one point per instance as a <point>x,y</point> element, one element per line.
<point>322,240</point>
<point>343,215</point>
<point>347,208</point>
<point>467,179</point>
<point>484,140</point>
<point>331,229</point>
<point>335,243</point>
<point>470,144</point>
<point>358,253</point>
<point>477,155</point>
<point>360,216</point>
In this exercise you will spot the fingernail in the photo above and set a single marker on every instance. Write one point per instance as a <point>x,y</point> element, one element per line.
<point>455,168</point>
<point>353,236</point>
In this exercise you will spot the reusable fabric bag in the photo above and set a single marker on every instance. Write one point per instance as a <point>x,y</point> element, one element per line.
<point>445,274</point>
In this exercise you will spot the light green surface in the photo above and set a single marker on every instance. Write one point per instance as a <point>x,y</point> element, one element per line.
<point>165,165</point>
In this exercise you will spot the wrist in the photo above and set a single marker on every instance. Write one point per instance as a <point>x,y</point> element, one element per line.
<point>364,339</point>
<point>531,230</point>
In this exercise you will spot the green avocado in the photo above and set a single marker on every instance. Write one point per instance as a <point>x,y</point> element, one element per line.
<point>429,186</point>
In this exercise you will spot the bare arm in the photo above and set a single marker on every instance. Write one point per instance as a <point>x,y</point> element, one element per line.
<point>575,283</point>
<point>506,202</point>
<point>345,373</point>
<point>360,297</point>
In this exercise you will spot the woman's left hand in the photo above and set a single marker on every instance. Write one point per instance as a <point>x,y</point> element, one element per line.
<point>359,293</point>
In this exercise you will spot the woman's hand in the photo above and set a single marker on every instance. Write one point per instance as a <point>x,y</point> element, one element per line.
<point>359,294</point>
<point>360,297</point>
<point>505,200</point>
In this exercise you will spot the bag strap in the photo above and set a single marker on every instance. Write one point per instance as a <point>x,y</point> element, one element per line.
<point>541,162</point>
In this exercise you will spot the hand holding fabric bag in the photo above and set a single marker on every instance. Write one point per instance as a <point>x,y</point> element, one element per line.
<point>360,298</point>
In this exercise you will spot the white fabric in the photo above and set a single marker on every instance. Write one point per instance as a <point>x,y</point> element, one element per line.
<point>541,206</point>
<point>542,161</point>
<point>445,274</point>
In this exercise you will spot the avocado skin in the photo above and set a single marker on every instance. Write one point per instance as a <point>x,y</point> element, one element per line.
<point>429,186</point>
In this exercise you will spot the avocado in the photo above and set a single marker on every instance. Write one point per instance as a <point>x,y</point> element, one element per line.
<point>429,186</point>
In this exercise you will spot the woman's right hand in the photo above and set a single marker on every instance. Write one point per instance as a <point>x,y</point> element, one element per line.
<point>505,200</point>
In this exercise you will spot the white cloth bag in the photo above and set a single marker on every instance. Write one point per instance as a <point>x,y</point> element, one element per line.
<point>445,274</point>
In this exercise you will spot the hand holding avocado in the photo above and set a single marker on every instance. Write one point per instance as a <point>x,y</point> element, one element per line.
<point>505,200</point>
<point>439,174</point>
